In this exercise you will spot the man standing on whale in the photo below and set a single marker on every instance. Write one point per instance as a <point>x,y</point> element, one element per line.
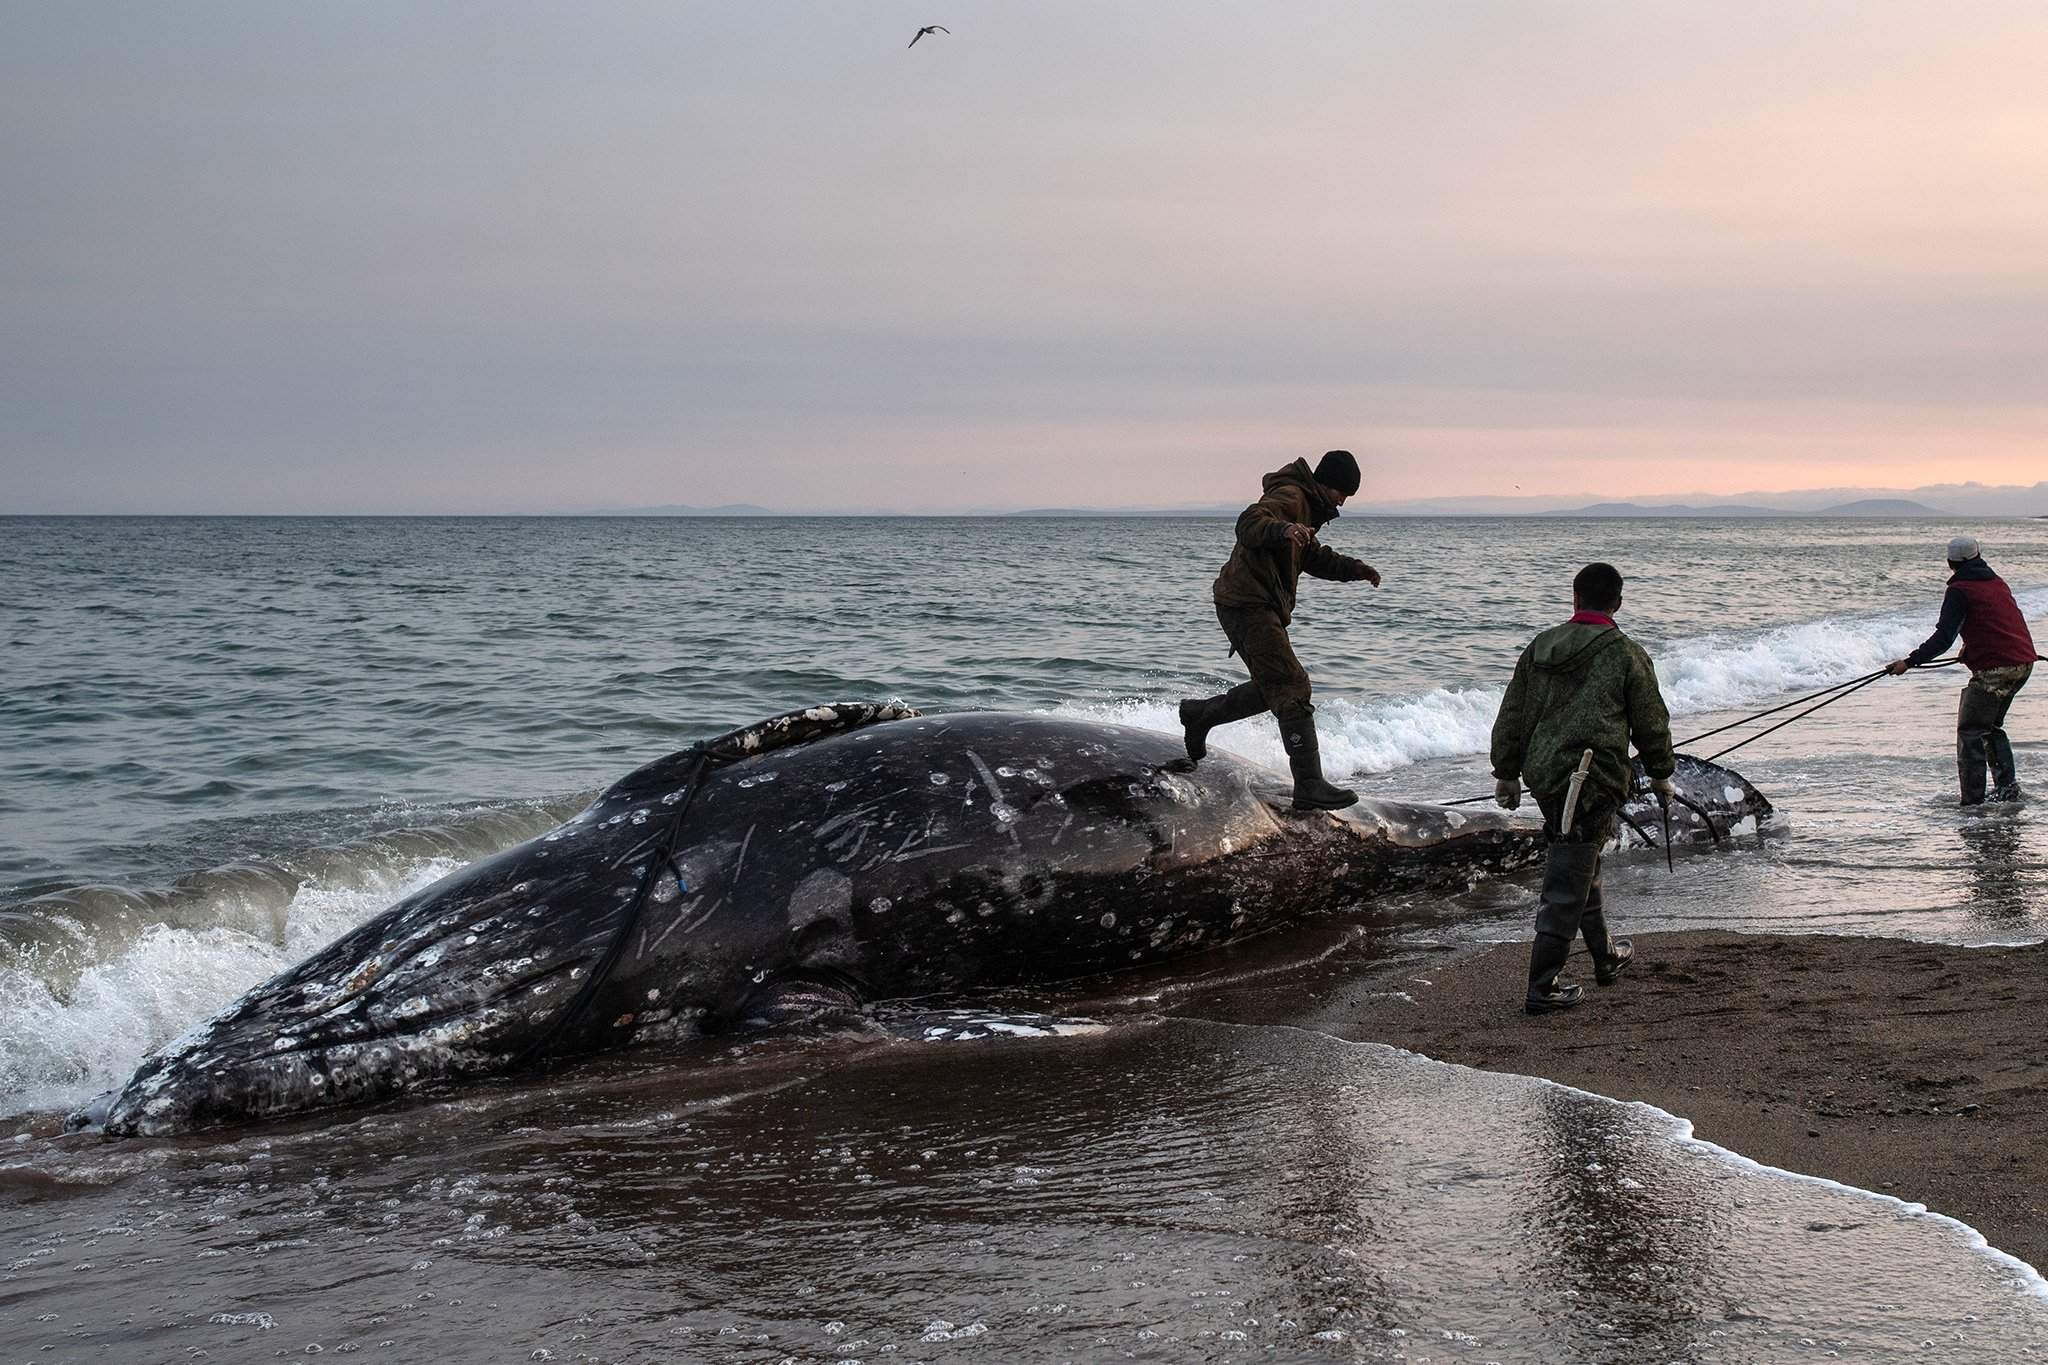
<point>1254,595</point>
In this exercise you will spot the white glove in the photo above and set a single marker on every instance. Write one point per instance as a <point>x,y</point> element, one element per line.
<point>1507,793</point>
<point>1666,793</point>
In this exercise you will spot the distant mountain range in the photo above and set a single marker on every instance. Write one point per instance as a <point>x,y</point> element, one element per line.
<point>1956,500</point>
<point>1931,500</point>
<point>1126,512</point>
<point>1863,507</point>
<point>683,509</point>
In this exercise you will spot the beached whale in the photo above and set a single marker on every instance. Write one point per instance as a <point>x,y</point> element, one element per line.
<point>825,858</point>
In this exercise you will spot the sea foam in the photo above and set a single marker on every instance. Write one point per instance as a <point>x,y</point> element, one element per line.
<point>63,1041</point>
<point>1698,676</point>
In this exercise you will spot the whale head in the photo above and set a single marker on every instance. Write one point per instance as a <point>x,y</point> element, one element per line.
<point>459,978</point>
<point>506,961</point>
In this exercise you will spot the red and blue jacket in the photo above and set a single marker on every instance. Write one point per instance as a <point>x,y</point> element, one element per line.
<point>1979,605</point>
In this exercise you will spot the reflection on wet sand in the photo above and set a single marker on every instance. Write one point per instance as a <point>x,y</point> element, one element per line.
<point>1997,874</point>
<point>1622,1225</point>
<point>1161,1191</point>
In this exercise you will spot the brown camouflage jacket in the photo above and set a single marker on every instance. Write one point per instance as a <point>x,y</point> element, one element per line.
<point>1265,565</point>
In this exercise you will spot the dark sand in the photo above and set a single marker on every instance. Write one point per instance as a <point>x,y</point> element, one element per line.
<point>1914,1069</point>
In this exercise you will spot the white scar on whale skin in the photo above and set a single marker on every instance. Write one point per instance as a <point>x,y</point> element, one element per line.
<point>1000,808</point>
<point>928,852</point>
<point>688,923</point>
<point>739,863</point>
<point>827,828</point>
<point>860,840</point>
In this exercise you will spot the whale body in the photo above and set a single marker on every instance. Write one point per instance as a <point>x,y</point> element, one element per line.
<point>823,859</point>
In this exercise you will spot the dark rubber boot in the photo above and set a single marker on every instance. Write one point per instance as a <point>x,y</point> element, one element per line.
<point>1568,874</point>
<point>1546,994</point>
<point>1977,721</point>
<point>1304,756</point>
<point>1198,718</point>
<point>1970,765</point>
<point>1611,955</point>
<point>2005,782</point>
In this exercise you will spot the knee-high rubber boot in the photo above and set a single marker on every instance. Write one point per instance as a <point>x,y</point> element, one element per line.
<point>1198,718</point>
<point>1977,720</point>
<point>2005,781</point>
<point>1610,955</point>
<point>1568,874</point>
<point>1970,763</point>
<point>1304,756</point>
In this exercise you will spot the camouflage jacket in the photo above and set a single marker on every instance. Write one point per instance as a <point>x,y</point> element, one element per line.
<point>1578,687</point>
<point>1266,565</point>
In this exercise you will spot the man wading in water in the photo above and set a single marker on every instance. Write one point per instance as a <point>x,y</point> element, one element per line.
<point>1999,652</point>
<point>1579,687</point>
<point>1276,544</point>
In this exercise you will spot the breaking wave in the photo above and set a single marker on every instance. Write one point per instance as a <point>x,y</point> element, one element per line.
<point>1699,677</point>
<point>93,977</point>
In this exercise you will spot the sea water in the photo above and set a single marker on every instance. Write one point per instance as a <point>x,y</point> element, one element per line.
<point>225,742</point>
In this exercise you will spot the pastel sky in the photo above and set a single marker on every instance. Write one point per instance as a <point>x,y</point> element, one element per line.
<point>369,256</point>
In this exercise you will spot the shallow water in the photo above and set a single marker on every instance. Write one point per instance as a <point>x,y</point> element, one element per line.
<point>229,741</point>
<point>1181,1191</point>
<point>186,691</point>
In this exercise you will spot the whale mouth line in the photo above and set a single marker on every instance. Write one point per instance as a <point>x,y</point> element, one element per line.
<point>455,1009</point>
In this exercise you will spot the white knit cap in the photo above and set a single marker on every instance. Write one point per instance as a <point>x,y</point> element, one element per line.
<point>1962,548</point>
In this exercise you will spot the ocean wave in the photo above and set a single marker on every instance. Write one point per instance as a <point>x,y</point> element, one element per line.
<point>64,1040</point>
<point>93,977</point>
<point>1699,677</point>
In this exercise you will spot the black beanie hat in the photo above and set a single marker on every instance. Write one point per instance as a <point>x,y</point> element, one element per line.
<point>1339,471</point>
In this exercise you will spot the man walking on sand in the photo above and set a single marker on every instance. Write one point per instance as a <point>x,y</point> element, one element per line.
<point>1254,595</point>
<point>1581,691</point>
<point>1999,652</point>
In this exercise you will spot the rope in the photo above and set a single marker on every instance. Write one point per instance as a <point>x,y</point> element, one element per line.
<point>777,732</point>
<point>1802,715</point>
<point>1845,690</point>
<point>1841,689</point>
<point>664,860</point>
<point>1736,724</point>
<point>1833,694</point>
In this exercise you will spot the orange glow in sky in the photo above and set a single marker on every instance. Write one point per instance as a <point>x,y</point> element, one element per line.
<point>370,258</point>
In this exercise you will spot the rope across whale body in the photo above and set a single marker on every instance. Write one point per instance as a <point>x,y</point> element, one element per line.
<point>786,731</point>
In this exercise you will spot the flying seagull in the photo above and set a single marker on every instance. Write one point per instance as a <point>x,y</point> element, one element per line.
<point>929,28</point>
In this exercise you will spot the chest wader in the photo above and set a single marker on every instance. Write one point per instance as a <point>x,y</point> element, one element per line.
<point>1981,740</point>
<point>1572,905</point>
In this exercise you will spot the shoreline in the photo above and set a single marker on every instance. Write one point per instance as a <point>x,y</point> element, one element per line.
<point>1909,1069</point>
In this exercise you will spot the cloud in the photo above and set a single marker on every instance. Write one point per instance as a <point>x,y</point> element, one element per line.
<point>488,256</point>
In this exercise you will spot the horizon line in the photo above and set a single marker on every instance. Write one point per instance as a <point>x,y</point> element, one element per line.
<point>1694,513</point>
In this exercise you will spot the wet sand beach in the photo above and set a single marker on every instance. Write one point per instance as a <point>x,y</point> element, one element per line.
<point>1914,1069</point>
